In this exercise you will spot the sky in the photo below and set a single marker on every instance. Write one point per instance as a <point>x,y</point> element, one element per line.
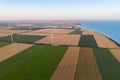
<point>59,9</point>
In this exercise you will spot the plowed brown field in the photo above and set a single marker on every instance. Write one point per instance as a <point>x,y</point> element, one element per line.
<point>66,68</point>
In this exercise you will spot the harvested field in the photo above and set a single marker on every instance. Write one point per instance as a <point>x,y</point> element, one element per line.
<point>66,68</point>
<point>58,31</point>
<point>6,27</point>
<point>3,35</point>
<point>47,32</point>
<point>36,63</point>
<point>12,31</point>
<point>11,50</point>
<point>116,53</point>
<point>65,31</point>
<point>87,68</point>
<point>34,34</point>
<point>89,32</point>
<point>101,40</point>
<point>104,42</point>
<point>87,41</point>
<point>108,65</point>
<point>61,40</point>
<point>21,38</point>
<point>4,44</point>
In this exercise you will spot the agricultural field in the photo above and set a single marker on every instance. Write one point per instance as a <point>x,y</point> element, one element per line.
<point>47,32</point>
<point>31,33</point>
<point>59,39</point>
<point>104,42</point>
<point>4,44</point>
<point>21,38</point>
<point>75,55</point>
<point>12,31</point>
<point>67,67</point>
<point>89,32</point>
<point>3,35</point>
<point>11,50</point>
<point>87,41</point>
<point>76,32</point>
<point>115,53</point>
<point>57,31</point>
<point>36,63</point>
<point>87,67</point>
<point>108,64</point>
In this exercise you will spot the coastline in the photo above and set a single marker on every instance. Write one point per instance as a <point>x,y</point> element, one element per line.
<point>110,29</point>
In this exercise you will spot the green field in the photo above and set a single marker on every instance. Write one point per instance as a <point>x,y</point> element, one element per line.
<point>21,38</point>
<point>4,44</point>
<point>36,63</point>
<point>108,65</point>
<point>25,28</point>
<point>87,41</point>
<point>76,32</point>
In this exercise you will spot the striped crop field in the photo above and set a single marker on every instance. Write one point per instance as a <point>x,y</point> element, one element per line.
<point>36,63</point>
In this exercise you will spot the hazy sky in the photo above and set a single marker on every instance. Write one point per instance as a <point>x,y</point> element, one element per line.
<point>59,9</point>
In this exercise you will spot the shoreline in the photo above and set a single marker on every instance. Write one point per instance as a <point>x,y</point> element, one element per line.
<point>101,34</point>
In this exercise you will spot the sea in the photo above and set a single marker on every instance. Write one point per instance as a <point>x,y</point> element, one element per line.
<point>110,29</point>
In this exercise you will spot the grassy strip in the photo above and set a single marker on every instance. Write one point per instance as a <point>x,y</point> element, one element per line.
<point>87,41</point>
<point>76,32</point>
<point>35,63</point>
<point>108,65</point>
<point>4,44</point>
<point>21,38</point>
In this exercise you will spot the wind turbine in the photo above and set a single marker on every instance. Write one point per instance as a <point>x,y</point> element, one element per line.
<point>82,29</point>
<point>52,38</point>
<point>54,29</point>
<point>30,28</point>
<point>11,36</point>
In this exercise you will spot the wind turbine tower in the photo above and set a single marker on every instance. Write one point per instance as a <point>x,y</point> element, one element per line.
<point>52,38</point>
<point>12,40</point>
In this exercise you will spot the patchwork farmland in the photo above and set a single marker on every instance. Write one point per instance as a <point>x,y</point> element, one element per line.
<point>73,55</point>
